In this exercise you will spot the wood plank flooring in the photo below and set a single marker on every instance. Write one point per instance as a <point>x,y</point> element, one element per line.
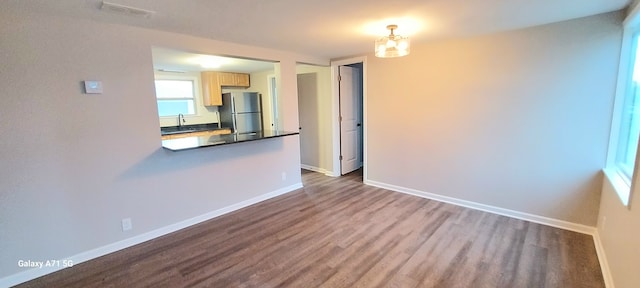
<point>337,232</point>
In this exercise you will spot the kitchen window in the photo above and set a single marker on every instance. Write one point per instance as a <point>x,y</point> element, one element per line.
<point>175,96</point>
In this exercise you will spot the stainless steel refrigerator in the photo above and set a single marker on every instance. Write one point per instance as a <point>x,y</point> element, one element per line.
<point>242,111</point>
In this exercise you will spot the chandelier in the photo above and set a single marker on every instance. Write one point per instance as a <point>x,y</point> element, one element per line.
<point>392,45</point>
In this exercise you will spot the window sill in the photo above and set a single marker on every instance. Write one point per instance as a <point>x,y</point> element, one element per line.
<point>619,185</point>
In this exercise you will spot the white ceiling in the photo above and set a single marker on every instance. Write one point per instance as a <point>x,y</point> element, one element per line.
<point>328,28</point>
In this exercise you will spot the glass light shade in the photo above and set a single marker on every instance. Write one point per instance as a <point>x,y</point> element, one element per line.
<point>392,46</point>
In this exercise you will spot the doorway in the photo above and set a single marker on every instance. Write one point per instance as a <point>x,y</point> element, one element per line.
<point>309,121</point>
<point>359,148</point>
<point>320,134</point>
<point>315,100</point>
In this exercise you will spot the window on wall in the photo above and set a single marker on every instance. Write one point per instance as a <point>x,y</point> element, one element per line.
<point>626,122</point>
<point>175,97</point>
<point>629,118</point>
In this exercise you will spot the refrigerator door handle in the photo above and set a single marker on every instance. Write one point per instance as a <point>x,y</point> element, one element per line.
<point>234,115</point>
<point>235,126</point>
<point>233,105</point>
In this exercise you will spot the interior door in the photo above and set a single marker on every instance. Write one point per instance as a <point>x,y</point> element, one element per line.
<point>349,123</point>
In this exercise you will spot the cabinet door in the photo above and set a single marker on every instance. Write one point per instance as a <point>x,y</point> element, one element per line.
<point>211,90</point>
<point>227,79</point>
<point>230,79</point>
<point>242,80</point>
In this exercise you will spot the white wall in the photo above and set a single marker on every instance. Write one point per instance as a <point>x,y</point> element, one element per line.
<point>73,165</point>
<point>517,120</point>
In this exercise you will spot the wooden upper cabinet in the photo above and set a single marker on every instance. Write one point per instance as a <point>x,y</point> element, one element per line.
<point>229,79</point>
<point>211,89</point>
<point>242,80</point>
<point>212,83</point>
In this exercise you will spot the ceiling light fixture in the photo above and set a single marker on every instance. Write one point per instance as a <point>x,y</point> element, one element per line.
<point>392,45</point>
<point>210,61</point>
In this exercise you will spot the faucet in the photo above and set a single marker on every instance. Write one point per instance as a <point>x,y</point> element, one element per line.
<point>180,122</point>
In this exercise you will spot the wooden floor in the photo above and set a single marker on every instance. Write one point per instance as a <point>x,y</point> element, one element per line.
<point>337,232</point>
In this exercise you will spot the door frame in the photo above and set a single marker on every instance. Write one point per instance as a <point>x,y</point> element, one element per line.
<point>273,98</point>
<point>335,113</point>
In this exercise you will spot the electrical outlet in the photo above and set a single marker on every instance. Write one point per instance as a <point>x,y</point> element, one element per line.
<point>284,176</point>
<point>127,224</point>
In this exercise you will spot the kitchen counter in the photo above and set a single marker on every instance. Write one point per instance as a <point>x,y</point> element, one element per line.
<point>195,142</point>
<point>190,128</point>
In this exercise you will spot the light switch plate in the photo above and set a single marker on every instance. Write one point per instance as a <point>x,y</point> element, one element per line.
<point>93,87</point>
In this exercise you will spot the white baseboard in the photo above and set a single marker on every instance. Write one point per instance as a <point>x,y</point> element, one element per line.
<point>331,174</point>
<point>113,247</point>
<point>602,258</point>
<point>313,168</point>
<point>317,169</point>
<point>488,208</point>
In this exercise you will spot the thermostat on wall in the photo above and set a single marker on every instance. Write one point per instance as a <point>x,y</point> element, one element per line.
<point>93,87</point>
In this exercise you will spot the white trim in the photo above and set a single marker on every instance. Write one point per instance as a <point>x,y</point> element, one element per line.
<point>198,101</point>
<point>31,274</point>
<point>602,258</point>
<point>275,118</point>
<point>590,230</point>
<point>314,169</point>
<point>330,174</point>
<point>335,116</point>
<point>618,103</point>
<point>619,184</point>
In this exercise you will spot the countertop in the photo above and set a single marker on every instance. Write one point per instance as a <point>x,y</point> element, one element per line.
<point>190,128</point>
<point>195,142</point>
